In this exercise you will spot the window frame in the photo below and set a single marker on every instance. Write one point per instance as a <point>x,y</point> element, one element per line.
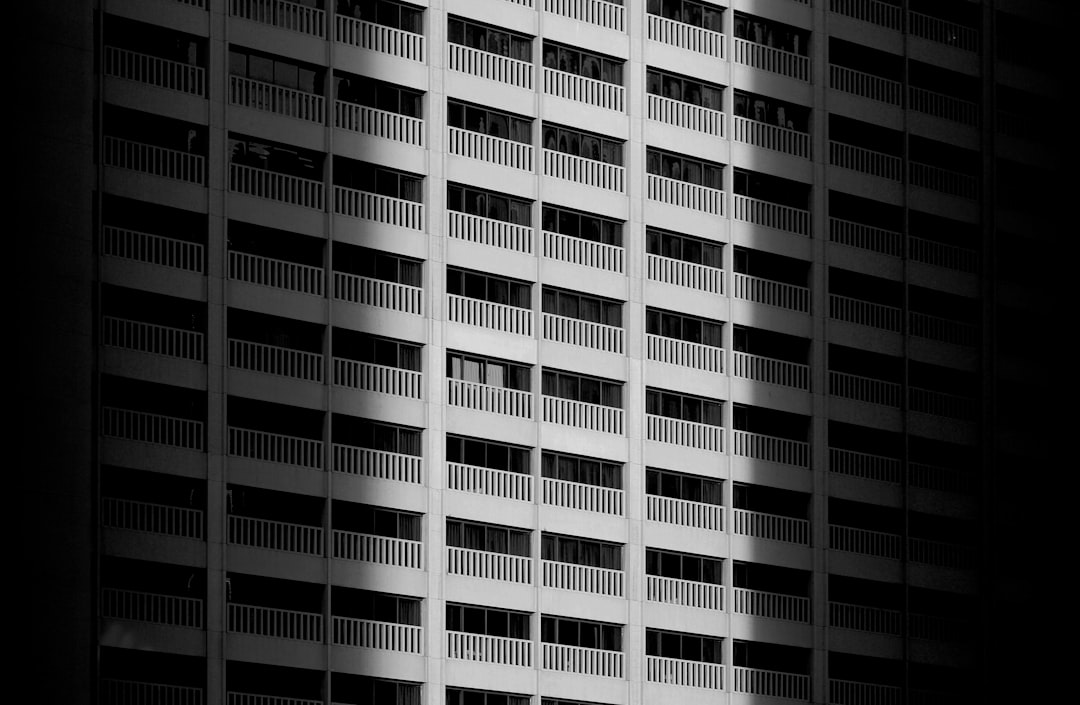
<point>570,468</point>
<point>556,383</point>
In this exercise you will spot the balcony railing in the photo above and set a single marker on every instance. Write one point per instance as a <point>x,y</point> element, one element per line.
<point>581,89</point>
<point>685,36</point>
<point>474,563</point>
<point>371,634</point>
<point>684,433</point>
<point>293,16</point>
<point>151,428</point>
<point>378,123</point>
<point>488,314</point>
<point>152,338</point>
<point>936,477</point>
<point>381,209</point>
<point>865,619</point>
<point>380,464</point>
<point>403,553</point>
<point>770,370</point>
<point>272,98</point>
<point>155,71</point>
<point>864,465</point>
<point>151,249</point>
<point>275,622</point>
<point>961,259</point>
<point>275,448</point>
<point>774,137</point>
<point>866,237</point>
<point>379,293</point>
<point>275,360</point>
<point>767,58</point>
<point>772,293</point>
<point>771,448</point>
<point>868,389</point>
<point>236,698</point>
<point>583,660</point>
<point>686,593</point>
<point>777,684</point>
<point>677,671</point>
<point>941,553</point>
<point>276,273</point>
<point>494,150</point>
<point>859,693</point>
<point>597,12</point>
<point>770,526</point>
<point>943,31</point>
<point>494,67</point>
<point>172,610</point>
<point>489,649</point>
<point>489,481</point>
<point>947,181</point>
<point>947,330</point>
<point>954,406</point>
<point>154,518</point>
<point>587,253</point>
<point>582,578</point>
<point>587,334</point>
<point>688,274</point>
<point>275,535</point>
<point>772,605</point>
<point>864,541</point>
<point>865,84</point>
<point>369,377</point>
<point>865,161</point>
<point>685,195</point>
<point>883,14</point>
<point>772,215</point>
<point>153,160</point>
<point>490,232</point>
<point>683,353</point>
<point>865,313</point>
<point>587,172</point>
<point>380,38</point>
<point>579,495</point>
<point>124,692</point>
<point>489,398</point>
<point>686,115</point>
<point>684,512</point>
<point>943,106</point>
<point>263,183</point>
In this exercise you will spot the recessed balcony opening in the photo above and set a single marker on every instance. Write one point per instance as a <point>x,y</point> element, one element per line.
<point>490,52</point>
<point>584,76</point>
<point>865,299</point>
<point>944,167</point>
<point>772,201</point>
<point>583,238</point>
<point>684,659</point>
<point>768,356</point>
<point>776,670</point>
<point>772,46</point>
<point>946,317</point>
<point>276,258</point>
<point>386,13</point>
<point>153,145</point>
<point>276,433</point>
<point>376,620</point>
<point>958,12</point>
<point>683,499</point>
<point>487,467</point>
<point>770,111</point>
<point>350,689</point>
<point>150,412</point>
<point>940,465</point>
<point>771,279</point>
<point>770,434</point>
<point>687,24</point>
<point>687,341</point>
<point>685,102</point>
<point>490,135</point>
<point>943,391</point>
<point>847,61</point>
<point>274,607</point>
<point>370,192</point>
<point>304,16</point>
<point>459,696</point>
<point>278,521</point>
<point>153,593</point>
<point>270,83</point>
<point>885,13</point>
<point>770,591</point>
<point>248,683</point>
<point>936,684</point>
<point>943,93</point>
<point>683,260</point>
<point>684,579</point>
<point>375,449</point>
<point>1015,107</point>
<point>488,551</point>
<point>864,452</point>
<point>275,345</point>
<point>365,532</point>
<point>771,513</point>
<point>942,616</point>
<point>866,605</point>
<point>490,301</point>
<point>684,419</point>
<point>869,149</point>
<point>584,565</point>
<point>378,108</point>
<point>685,181</point>
<point>866,224</point>
<point>142,321</point>
<point>866,376</point>
<point>581,646</point>
<point>580,319</point>
<point>943,541</point>
<point>588,484</point>
<point>377,364</point>
<point>488,384</point>
<point>489,218</point>
<point>152,233</point>
<point>152,54</point>
<point>855,679</point>
<point>691,12</point>
<point>591,403</point>
<point>586,158</point>
<point>278,172</point>
<point>868,529</point>
<point>376,278</point>
<point>487,634</point>
<point>128,675</point>
<point>944,242</point>
<point>153,502</point>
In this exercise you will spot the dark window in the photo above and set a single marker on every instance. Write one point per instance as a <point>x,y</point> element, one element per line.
<point>488,204</point>
<point>487,287</point>
<point>485,620</point>
<point>683,566</point>
<point>487,537</point>
<point>364,176</point>
<point>684,248</point>
<point>772,34</point>
<point>387,437</point>
<point>378,94</point>
<point>497,373</point>
<point>377,264</point>
<point>570,549</point>
<point>687,90</point>
<point>588,471</point>
<point>457,696</point>
<point>683,407</point>
<point>592,390</point>
<point>396,15</point>
<point>275,70</point>
<point>689,12</point>
<point>582,307</point>
<point>583,144</point>
<point>683,168</point>
<point>489,122</point>
<point>683,327</point>
<point>487,454</point>
<point>491,39</point>
<point>688,647</point>
<point>574,632</point>
<point>583,225</point>
<point>380,521</point>
<point>387,352</point>
<point>382,607</point>
<point>677,485</point>
<point>583,63</point>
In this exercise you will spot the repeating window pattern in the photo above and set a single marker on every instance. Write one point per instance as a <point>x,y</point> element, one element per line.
<point>376,264</point>
<point>575,632</point>
<point>458,696</point>
<point>583,63</point>
<point>683,566</point>
<point>683,168</point>
<point>491,39</point>
<point>387,352</point>
<point>588,471</point>
<point>391,14</point>
<point>683,327</point>
<point>567,385</point>
<point>382,436</point>
<point>388,608</point>
<point>681,88</point>
<point>698,14</point>
<point>497,373</point>
<point>489,122</point>
<point>677,485</point>
<point>582,306</point>
<point>488,204</point>
<point>684,407</point>
<point>487,287</point>
<point>268,68</point>
<point>487,454</point>
<point>586,226</point>
<point>583,144</point>
<point>688,647</point>
<point>381,95</point>
<point>571,549</point>
<point>379,521</point>
<point>487,620</point>
<point>363,176</point>
<point>487,537</point>
<point>684,248</point>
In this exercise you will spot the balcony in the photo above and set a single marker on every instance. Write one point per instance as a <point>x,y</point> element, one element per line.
<point>153,608</point>
<point>943,31</point>
<point>487,314</point>
<point>587,172</point>
<point>866,237</point>
<point>864,541</point>
<point>152,338</point>
<point>275,448</point>
<point>946,330</point>
<point>946,181</point>
<point>274,622</point>
<point>598,12</point>
<point>153,518</point>
<point>581,89</point>
<point>582,578</point>
<point>238,698</point>
<point>683,353</point>
<point>275,360</point>
<point>864,313</point>
<point>378,123</point>
<point>371,634</point>
<point>494,67</point>
<point>772,605</point>
<point>777,684</point>
<point>864,465</point>
<point>772,215</point>
<point>843,692</point>
<point>145,427</point>
<point>582,660</point>
<point>770,370</point>
<point>954,406</point>
<point>403,553</point>
<point>493,150</point>
<point>684,512</point>
<point>936,477</point>
<point>489,481</point>
<point>685,36</point>
<point>380,38</point>
<point>586,253</point>
<point>942,553</point>
<point>684,194</point>
<point>151,249</point>
<point>772,293</point>
<point>489,398</point>
<point>677,671</point>
<point>682,273</point>
<point>935,628</point>
<point>154,71</point>
<point>276,273</point>
<point>275,535</point>
<point>378,208</point>
<point>684,433</point>
<point>289,102</point>
<point>489,649</point>
<point>490,232</point>
<point>114,690</point>
<point>766,136</point>
<point>865,619</point>
<point>153,160</point>
<point>587,334</point>
<point>379,293</point>
<point>865,161</point>
<point>943,106</point>
<point>473,563</point>
<point>263,183</point>
<point>685,593</point>
<point>883,14</point>
<point>866,85</point>
<point>868,389</point>
<point>292,16</point>
<point>939,254</point>
<point>771,526</point>
<point>581,496</point>
<point>770,448</point>
<point>686,115</point>
<point>380,464</point>
<point>766,58</point>
<point>369,377</point>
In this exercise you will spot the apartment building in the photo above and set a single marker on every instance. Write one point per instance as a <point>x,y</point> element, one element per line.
<point>562,352</point>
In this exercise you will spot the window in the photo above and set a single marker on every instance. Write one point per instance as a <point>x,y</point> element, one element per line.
<point>488,204</point>
<point>583,63</point>
<point>583,225</point>
<point>381,607</point>
<point>380,521</point>
<point>684,248</point>
<point>677,485</point>
<point>487,287</point>
<point>682,168</point>
<point>587,471</point>
<point>363,176</point>
<point>684,89</point>
<point>570,549</point>
<point>583,144</point>
<point>689,12</point>
<point>590,390</point>
<point>487,537</point>
<point>683,327</point>
<point>683,407</point>
<point>376,264</point>
<point>772,34</point>
<point>283,159</point>
<point>273,69</point>
<point>387,352</point>
<point>688,647</point>
<point>392,14</point>
<point>762,108</point>
<point>378,94</point>
<point>582,307</point>
<point>393,439</point>
<point>457,696</point>
<point>487,454</point>
<point>486,620</point>
<point>489,122</point>
<point>574,632</point>
<point>496,373</point>
<point>491,39</point>
<point>683,566</point>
